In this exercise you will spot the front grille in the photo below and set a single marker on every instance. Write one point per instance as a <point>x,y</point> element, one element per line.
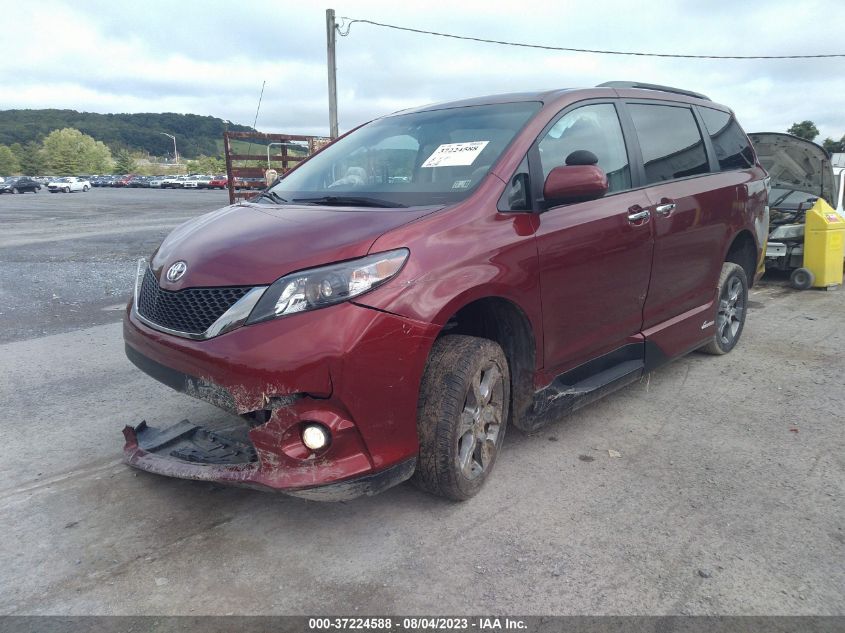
<point>192,310</point>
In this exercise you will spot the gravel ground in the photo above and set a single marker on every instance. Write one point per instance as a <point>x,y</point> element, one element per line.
<point>726,498</point>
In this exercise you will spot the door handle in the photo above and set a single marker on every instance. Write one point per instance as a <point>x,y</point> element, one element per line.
<point>636,216</point>
<point>665,209</point>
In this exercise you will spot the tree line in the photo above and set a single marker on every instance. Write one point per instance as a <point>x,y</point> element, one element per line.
<point>808,131</point>
<point>68,152</point>
<point>144,132</point>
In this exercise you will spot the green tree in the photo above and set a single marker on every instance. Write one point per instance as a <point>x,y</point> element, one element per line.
<point>833,147</point>
<point>8,162</point>
<point>30,157</point>
<point>207,165</point>
<point>123,162</point>
<point>806,130</point>
<point>69,151</point>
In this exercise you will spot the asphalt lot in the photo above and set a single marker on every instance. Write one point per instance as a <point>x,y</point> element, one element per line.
<point>728,497</point>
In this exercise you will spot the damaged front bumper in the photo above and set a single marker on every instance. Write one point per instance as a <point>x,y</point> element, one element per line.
<point>189,451</point>
<point>335,367</point>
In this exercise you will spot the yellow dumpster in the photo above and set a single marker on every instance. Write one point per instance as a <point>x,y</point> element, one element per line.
<point>824,244</point>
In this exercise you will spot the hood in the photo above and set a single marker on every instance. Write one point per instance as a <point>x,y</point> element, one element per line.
<point>254,244</point>
<point>795,165</point>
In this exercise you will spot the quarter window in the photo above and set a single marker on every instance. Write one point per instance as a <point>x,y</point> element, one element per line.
<point>733,151</point>
<point>594,128</point>
<point>516,195</point>
<point>670,141</point>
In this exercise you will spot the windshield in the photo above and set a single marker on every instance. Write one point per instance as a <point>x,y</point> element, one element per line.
<point>421,158</point>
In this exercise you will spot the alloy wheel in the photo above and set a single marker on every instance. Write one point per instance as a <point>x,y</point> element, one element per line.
<point>481,422</point>
<point>731,310</point>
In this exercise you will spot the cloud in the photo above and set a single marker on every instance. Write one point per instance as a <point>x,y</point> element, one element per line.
<point>208,57</point>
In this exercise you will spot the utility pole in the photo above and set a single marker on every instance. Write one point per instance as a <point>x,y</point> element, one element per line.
<point>330,40</point>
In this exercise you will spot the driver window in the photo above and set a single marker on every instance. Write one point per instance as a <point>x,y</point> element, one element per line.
<point>594,128</point>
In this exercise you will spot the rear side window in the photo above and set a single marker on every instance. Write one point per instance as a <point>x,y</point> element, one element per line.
<point>670,141</point>
<point>733,151</point>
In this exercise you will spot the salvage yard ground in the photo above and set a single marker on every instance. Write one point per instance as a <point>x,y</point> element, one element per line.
<point>714,486</point>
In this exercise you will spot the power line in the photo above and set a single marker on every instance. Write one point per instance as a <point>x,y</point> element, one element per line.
<point>346,25</point>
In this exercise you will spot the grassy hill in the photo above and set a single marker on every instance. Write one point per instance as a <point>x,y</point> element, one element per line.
<point>195,135</point>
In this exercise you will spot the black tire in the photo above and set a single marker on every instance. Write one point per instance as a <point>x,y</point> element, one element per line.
<point>66,189</point>
<point>802,278</point>
<point>464,396</point>
<point>733,306</point>
<point>85,188</point>
<point>15,190</point>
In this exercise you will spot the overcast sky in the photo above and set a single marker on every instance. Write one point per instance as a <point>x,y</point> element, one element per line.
<point>211,57</point>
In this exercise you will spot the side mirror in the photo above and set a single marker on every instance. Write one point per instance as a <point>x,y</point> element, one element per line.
<point>574,183</point>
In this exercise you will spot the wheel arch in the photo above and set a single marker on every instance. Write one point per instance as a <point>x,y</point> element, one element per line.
<point>743,251</point>
<point>503,321</point>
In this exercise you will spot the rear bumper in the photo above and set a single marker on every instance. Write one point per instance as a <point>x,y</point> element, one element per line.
<point>354,370</point>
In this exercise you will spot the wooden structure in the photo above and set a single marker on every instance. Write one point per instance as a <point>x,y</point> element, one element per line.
<point>247,173</point>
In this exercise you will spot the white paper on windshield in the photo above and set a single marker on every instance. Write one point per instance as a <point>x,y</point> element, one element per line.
<point>455,154</point>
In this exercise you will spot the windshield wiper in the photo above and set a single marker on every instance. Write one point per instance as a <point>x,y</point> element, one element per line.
<point>350,201</point>
<point>270,195</point>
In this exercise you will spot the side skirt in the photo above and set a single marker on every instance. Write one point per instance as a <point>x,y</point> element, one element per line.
<point>589,382</point>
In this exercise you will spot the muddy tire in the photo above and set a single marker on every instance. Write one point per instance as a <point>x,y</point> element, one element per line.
<point>733,305</point>
<point>462,415</point>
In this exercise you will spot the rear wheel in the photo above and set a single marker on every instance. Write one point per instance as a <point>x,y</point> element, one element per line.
<point>66,189</point>
<point>730,318</point>
<point>462,415</point>
<point>85,188</point>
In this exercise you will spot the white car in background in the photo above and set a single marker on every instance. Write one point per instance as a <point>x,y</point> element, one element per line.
<point>157,181</point>
<point>196,181</point>
<point>68,184</point>
<point>172,182</point>
<point>204,182</point>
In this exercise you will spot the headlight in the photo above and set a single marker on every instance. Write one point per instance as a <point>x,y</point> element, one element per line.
<point>787,232</point>
<point>327,285</point>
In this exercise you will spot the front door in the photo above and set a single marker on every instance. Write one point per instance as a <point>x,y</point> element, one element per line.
<point>595,257</point>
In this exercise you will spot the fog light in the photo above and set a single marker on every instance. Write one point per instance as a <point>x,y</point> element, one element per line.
<point>315,437</point>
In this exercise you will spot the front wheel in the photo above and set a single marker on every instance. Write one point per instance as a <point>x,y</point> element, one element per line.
<point>462,414</point>
<point>730,319</point>
<point>66,189</point>
<point>85,188</point>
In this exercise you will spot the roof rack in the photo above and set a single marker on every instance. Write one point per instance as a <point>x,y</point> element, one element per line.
<point>642,86</point>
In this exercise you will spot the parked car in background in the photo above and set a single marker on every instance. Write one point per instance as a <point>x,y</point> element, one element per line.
<point>203,181</point>
<point>172,182</point>
<point>123,181</point>
<point>101,181</point>
<point>194,181</point>
<point>68,184</point>
<point>138,182</point>
<point>21,184</point>
<point>156,181</point>
<point>218,182</point>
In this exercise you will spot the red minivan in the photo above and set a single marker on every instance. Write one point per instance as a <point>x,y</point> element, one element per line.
<point>388,308</point>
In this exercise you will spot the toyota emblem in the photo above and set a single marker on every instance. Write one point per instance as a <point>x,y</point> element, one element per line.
<point>177,271</point>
